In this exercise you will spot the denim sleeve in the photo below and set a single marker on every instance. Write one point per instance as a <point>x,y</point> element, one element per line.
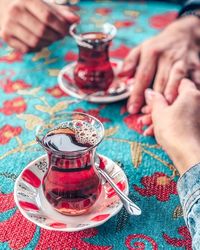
<point>189,193</point>
<point>190,5</point>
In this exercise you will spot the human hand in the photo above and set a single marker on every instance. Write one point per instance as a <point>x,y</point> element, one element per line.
<point>164,59</point>
<point>177,126</point>
<point>28,25</point>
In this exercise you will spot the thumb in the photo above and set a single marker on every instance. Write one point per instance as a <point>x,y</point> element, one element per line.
<point>155,100</point>
<point>186,85</point>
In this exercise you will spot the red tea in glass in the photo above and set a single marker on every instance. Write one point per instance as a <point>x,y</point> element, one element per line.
<point>71,184</point>
<point>93,71</point>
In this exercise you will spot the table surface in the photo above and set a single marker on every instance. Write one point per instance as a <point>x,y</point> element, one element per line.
<point>30,93</point>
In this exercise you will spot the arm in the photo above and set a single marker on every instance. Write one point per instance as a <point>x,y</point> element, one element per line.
<point>190,5</point>
<point>189,193</point>
<point>177,130</point>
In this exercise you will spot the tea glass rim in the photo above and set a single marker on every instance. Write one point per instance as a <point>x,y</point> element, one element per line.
<point>79,38</point>
<point>73,153</point>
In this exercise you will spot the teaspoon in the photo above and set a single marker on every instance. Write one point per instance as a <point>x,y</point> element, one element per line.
<point>129,205</point>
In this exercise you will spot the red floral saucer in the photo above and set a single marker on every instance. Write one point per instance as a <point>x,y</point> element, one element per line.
<point>67,84</point>
<point>33,205</point>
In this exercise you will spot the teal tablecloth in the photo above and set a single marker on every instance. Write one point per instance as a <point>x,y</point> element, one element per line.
<point>29,93</point>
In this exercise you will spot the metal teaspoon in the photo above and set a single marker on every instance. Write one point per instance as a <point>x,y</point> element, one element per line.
<point>129,205</point>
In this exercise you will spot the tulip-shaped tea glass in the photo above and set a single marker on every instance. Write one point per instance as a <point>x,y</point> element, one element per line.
<point>71,184</point>
<point>93,71</point>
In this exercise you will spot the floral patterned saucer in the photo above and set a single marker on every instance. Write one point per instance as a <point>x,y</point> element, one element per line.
<point>33,205</point>
<point>67,84</point>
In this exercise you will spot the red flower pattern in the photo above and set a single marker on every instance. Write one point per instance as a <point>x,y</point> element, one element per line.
<point>103,11</point>
<point>12,57</point>
<point>159,184</point>
<point>124,24</point>
<point>120,52</point>
<point>136,241</point>
<point>16,105</point>
<point>185,241</point>
<point>18,232</point>
<point>162,20</point>
<point>95,113</point>
<point>56,92</point>
<point>7,132</point>
<point>132,123</point>
<point>13,86</point>
<point>71,56</point>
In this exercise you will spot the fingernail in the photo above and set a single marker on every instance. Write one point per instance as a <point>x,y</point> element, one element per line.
<point>132,109</point>
<point>145,133</point>
<point>149,94</point>
<point>169,98</point>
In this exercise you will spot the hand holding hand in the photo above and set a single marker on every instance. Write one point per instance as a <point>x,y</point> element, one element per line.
<point>177,126</point>
<point>164,59</point>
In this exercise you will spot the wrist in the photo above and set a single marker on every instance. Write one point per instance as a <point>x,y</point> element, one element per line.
<point>185,156</point>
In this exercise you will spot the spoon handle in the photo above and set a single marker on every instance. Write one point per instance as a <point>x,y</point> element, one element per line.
<point>130,206</point>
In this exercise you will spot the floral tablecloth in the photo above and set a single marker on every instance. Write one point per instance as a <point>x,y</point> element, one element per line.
<point>29,93</point>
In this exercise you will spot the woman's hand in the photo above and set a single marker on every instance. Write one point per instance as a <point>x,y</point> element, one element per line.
<point>28,25</point>
<point>177,126</point>
<point>164,60</point>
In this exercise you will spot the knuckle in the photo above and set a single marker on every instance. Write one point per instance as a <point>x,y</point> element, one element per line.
<point>41,30</point>
<point>34,41</point>
<point>47,16</point>
<point>14,10</point>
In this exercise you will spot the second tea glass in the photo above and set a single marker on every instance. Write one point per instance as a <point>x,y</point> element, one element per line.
<point>93,71</point>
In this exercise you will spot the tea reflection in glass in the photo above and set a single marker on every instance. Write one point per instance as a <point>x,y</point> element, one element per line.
<point>71,184</point>
<point>93,71</point>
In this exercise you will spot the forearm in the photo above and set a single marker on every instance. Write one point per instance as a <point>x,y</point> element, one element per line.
<point>189,192</point>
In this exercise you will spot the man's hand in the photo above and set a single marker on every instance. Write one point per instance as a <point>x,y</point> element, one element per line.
<point>28,25</point>
<point>164,60</point>
<point>177,126</point>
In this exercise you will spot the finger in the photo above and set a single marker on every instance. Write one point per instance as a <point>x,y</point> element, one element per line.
<point>22,34</point>
<point>177,73</point>
<point>146,110</point>
<point>149,131</point>
<point>45,14</point>
<point>193,59</point>
<point>130,63</point>
<point>143,78</point>
<point>195,77</point>
<point>157,101</point>
<point>40,30</point>
<point>145,120</point>
<point>185,86</point>
<point>18,45</point>
<point>162,74</point>
<point>118,82</point>
<point>67,13</point>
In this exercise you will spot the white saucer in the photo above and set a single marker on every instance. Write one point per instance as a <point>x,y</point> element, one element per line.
<point>33,205</point>
<point>67,84</point>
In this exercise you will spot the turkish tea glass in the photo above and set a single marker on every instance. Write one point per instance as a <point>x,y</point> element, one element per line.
<point>93,71</point>
<point>71,184</point>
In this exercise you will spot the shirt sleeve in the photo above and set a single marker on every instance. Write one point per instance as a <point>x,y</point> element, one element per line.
<point>189,193</point>
<point>190,5</point>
